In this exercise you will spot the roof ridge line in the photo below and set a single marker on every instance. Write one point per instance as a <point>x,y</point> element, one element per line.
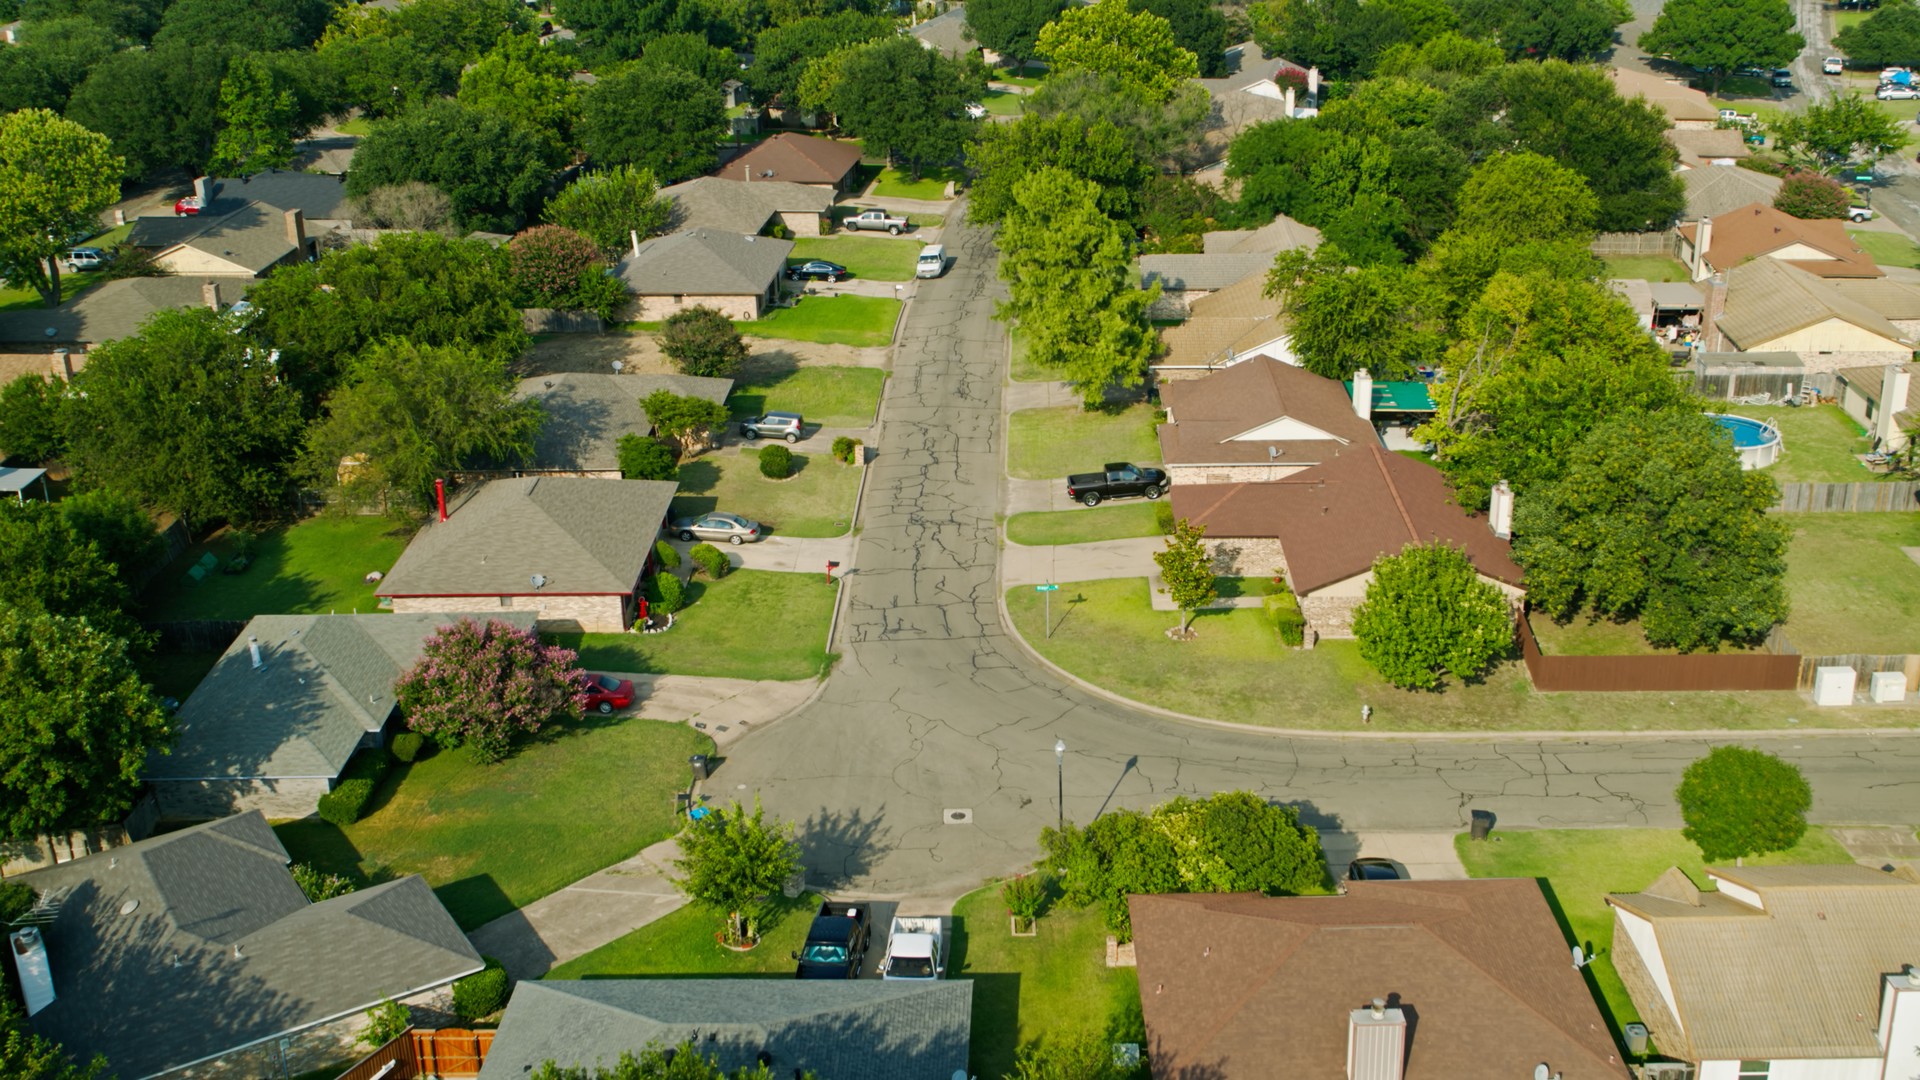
<point>1394,490</point>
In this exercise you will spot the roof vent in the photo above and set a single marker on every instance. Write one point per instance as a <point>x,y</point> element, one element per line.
<point>129,907</point>
<point>1913,975</point>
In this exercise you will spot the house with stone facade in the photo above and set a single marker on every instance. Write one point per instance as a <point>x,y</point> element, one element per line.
<point>1258,419</point>
<point>572,550</point>
<point>709,202</point>
<point>195,954</point>
<point>737,274</point>
<point>588,413</point>
<point>283,710</point>
<point>1324,527</point>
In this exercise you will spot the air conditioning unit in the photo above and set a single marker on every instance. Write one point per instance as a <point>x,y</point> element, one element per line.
<point>1666,1070</point>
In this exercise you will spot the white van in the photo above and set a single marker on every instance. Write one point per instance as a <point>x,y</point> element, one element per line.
<point>933,261</point>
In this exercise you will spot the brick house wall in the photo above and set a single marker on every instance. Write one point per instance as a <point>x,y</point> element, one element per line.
<point>599,614</point>
<point>315,1048</point>
<point>1235,474</point>
<point>290,797</point>
<point>657,308</point>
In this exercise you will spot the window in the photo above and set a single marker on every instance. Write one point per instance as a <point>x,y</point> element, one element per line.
<point>1755,1070</point>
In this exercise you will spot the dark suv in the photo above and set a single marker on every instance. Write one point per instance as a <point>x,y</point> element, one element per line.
<point>774,425</point>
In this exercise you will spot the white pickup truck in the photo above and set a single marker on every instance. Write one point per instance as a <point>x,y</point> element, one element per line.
<point>916,948</point>
<point>874,220</point>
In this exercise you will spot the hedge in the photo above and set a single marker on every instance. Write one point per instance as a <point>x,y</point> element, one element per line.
<point>665,555</point>
<point>672,593</point>
<point>776,462</point>
<point>407,745</point>
<point>482,993</point>
<point>342,805</point>
<point>710,560</point>
<point>1283,611</point>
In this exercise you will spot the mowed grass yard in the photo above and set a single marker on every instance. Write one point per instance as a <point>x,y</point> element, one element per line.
<point>817,500</point>
<point>828,396</point>
<point>751,624</point>
<point>1581,866</point>
<point>1649,267</point>
<point>1820,443</point>
<point>1107,633</point>
<point>682,944</point>
<point>1851,588</point>
<point>316,566</point>
<point>1021,369</point>
<point>931,186</point>
<point>1887,248</point>
<point>873,258</point>
<point>492,838</point>
<point>1050,443</point>
<point>863,321</point>
<point>1043,528</point>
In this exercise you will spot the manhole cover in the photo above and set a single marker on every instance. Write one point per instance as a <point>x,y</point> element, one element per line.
<point>959,817</point>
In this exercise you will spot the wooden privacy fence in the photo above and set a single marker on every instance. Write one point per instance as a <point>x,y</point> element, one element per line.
<point>555,321</point>
<point>1862,498</point>
<point>1688,672</point>
<point>195,635</point>
<point>1664,242</point>
<point>446,1053</point>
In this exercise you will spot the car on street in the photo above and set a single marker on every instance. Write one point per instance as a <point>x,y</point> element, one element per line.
<point>815,269</point>
<point>84,258</point>
<point>606,693</point>
<point>1832,65</point>
<point>732,528</point>
<point>1373,870</point>
<point>774,425</point>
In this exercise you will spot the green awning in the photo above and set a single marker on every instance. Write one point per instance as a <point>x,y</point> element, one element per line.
<point>1400,397</point>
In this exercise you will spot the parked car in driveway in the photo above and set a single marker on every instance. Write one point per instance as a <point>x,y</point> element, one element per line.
<point>976,111</point>
<point>836,942</point>
<point>816,269</point>
<point>875,221</point>
<point>774,425</point>
<point>606,693</point>
<point>84,258</point>
<point>732,528</point>
<point>1118,480</point>
<point>186,207</point>
<point>1373,870</point>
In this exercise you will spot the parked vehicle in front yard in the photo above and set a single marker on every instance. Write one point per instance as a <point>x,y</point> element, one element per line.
<point>606,693</point>
<point>1735,116</point>
<point>875,221</point>
<point>1373,870</point>
<point>732,528</point>
<point>774,425</point>
<point>836,942</point>
<point>1897,92</point>
<point>1119,481</point>
<point>815,269</point>
<point>916,948</point>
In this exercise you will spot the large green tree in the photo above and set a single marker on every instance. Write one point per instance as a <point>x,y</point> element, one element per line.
<point>610,206</point>
<point>781,53</point>
<point>1546,29</point>
<point>30,428</point>
<point>1011,27</point>
<point>1199,26</point>
<point>1890,35</point>
<point>27,1055</point>
<point>530,84</point>
<point>692,53</point>
<point>55,179</point>
<point>613,30</point>
<point>51,58</point>
<point>159,106</point>
<point>662,119</point>
<point>492,170</point>
<point>907,101</point>
<point>135,20</point>
<point>1100,152</point>
<point>732,861</point>
<point>1168,133</point>
<point>1523,196</point>
<point>121,528</point>
<point>256,25</point>
<point>1654,517</point>
<point>1427,612</point>
<point>383,73</point>
<point>1383,318</point>
<point>257,120</point>
<point>48,566</point>
<point>1723,36</point>
<point>1738,802</point>
<point>1826,134</point>
<point>1136,48</point>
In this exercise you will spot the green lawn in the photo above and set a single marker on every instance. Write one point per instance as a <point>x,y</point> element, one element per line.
<point>829,396</point>
<point>359,125</point>
<point>751,624</point>
<point>683,944</point>
<point>1019,368</point>
<point>1820,443</point>
<point>1887,248</point>
<point>1581,866</point>
<point>1002,103</point>
<point>871,258</point>
<point>316,566</point>
<point>926,221</point>
<point>817,500</point>
<point>932,185</point>
<point>1851,588</point>
<point>492,838</point>
<point>1649,267</point>
<point>71,285</point>
<point>1237,670</point>
<point>1048,527</point>
<point>1054,983</point>
<point>1584,635</point>
<point>1050,443</point>
<point>830,320</point>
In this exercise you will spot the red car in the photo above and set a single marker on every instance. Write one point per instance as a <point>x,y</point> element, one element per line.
<point>186,207</point>
<point>605,693</point>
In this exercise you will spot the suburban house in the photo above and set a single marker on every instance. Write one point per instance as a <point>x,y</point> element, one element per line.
<point>1259,419</point>
<point>587,413</point>
<point>709,202</point>
<point>320,198</point>
<point>571,550</point>
<point>1253,91</point>
<point>1863,392</point>
<point>946,34</point>
<point>249,240</point>
<point>1672,311</point>
<point>272,726</point>
<point>864,1029</point>
<point>1228,257</point>
<point>798,159</point>
<point>1395,980</point>
<point>1223,328</point>
<point>1717,191</point>
<point>1704,148</point>
<point>1394,407</point>
<point>1777,971</point>
<point>1773,306</point>
<point>1686,108</point>
<point>194,953</point>
<point>53,341</point>
<point>1323,528</point>
<point>738,274</point>
<point>1822,247</point>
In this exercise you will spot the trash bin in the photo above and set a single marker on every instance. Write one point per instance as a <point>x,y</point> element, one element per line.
<point>698,763</point>
<point>1636,1039</point>
<point>1482,824</point>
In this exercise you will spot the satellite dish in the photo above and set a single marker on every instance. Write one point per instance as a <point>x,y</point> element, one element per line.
<point>539,580</point>
<point>1541,1072</point>
<point>1580,958</point>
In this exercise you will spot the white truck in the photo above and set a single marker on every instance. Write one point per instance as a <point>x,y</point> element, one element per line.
<point>916,948</point>
<point>873,220</point>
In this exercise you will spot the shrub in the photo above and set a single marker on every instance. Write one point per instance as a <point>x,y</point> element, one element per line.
<point>342,805</point>
<point>1762,165</point>
<point>702,341</point>
<point>711,560</point>
<point>665,555</point>
<point>776,462</point>
<point>1163,517</point>
<point>1025,895</point>
<point>16,899</point>
<point>478,684</point>
<point>482,993</point>
<point>1283,611</point>
<point>844,448</point>
<point>407,746</point>
<point>546,263</point>
<point>1739,802</point>
<point>1810,195</point>
<point>385,1023</point>
<point>1426,612</point>
<point>320,886</point>
<point>670,591</point>
<point>369,764</point>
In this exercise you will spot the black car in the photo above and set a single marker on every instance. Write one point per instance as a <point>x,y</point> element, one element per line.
<point>836,943</point>
<point>816,269</point>
<point>1373,870</point>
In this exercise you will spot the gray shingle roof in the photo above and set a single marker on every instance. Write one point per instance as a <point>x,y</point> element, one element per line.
<point>584,536</point>
<point>317,195</point>
<point>327,680</point>
<point>711,202</point>
<point>705,262</point>
<point>198,942</point>
<point>1186,272</point>
<point>252,235</point>
<point>854,1030</point>
<point>588,413</point>
<point>113,309</point>
<point>946,33</point>
<point>1713,190</point>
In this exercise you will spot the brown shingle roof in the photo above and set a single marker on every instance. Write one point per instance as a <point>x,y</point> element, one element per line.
<point>1209,413</point>
<point>1699,146</point>
<point>1334,520</point>
<point>1768,298</point>
<point>1757,229</point>
<point>796,159</point>
<point>1232,985</point>
<point>1681,102</point>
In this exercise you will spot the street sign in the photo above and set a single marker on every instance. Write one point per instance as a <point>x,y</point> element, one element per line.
<point>1046,588</point>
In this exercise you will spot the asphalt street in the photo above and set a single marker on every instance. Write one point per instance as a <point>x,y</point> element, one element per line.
<point>922,765</point>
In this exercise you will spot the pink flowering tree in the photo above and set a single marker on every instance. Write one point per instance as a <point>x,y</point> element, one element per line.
<point>479,684</point>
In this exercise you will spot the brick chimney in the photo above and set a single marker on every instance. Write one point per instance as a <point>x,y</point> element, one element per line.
<point>1500,510</point>
<point>296,228</point>
<point>1895,383</point>
<point>1376,1043</point>
<point>210,295</point>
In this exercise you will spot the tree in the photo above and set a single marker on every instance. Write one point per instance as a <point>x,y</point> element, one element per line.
<point>1830,132</point>
<point>159,106</point>
<point>1137,48</point>
<point>30,419</point>
<point>1654,517</point>
<point>546,263</point>
<point>644,458</point>
<point>1100,152</point>
<point>135,20</point>
<point>907,101</point>
<point>409,207</point>
<point>1011,27</point>
<point>731,861</point>
<point>781,53</point>
<point>1427,611</point>
<point>411,413</point>
<point>52,57</point>
<point>186,417</point>
<point>256,121</point>
<point>1198,27</point>
<point>119,527</point>
<point>611,207</point>
<point>1187,568</point>
<point>1383,318</point>
<point>1071,286</point>
<point>1545,29</point>
<point>1168,133</point>
<point>1518,197</point>
<point>702,341</point>
<point>612,30</point>
<point>662,119</point>
<point>80,724</point>
<point>261,25</point>
<point>386,1021</point>
<point>479,685</point>
<point>382,73</point>
<point>55,179</point>
<point>1438,61</point>
<point>492,170</point>
<point>1890,35</point>
<point>1811,195</point>
<point>1738,802</point>
<point>319,885</point>
<point>692,53</point>
<point>684,1062</point>
<point>47,566</point>
<point>1073,1055</point>
<point>1723,36</point>
<point>531,85</point>
<point>25,1055</point>
<point>688,421</point>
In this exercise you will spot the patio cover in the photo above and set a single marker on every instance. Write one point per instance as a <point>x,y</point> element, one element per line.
<point>15,482</point>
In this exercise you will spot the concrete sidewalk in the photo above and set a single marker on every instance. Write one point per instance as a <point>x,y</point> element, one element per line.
<point>585,915</point>
<point>1021,565</point>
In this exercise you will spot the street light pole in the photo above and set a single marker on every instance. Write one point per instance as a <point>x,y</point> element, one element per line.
<point>1060,767</point>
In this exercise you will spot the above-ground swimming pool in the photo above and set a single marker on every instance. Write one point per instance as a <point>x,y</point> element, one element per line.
<point>1758,444</point>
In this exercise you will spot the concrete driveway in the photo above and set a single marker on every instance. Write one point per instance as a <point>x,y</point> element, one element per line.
<point>1420,856</point>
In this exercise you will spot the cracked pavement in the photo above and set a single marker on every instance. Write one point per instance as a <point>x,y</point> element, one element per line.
<point>934,708</point>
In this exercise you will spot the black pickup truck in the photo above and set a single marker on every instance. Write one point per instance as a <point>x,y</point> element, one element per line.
<point>836,942</point>
<point>1119,481</point>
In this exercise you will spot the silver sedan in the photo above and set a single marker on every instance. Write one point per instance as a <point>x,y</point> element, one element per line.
<point>732,528</point>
